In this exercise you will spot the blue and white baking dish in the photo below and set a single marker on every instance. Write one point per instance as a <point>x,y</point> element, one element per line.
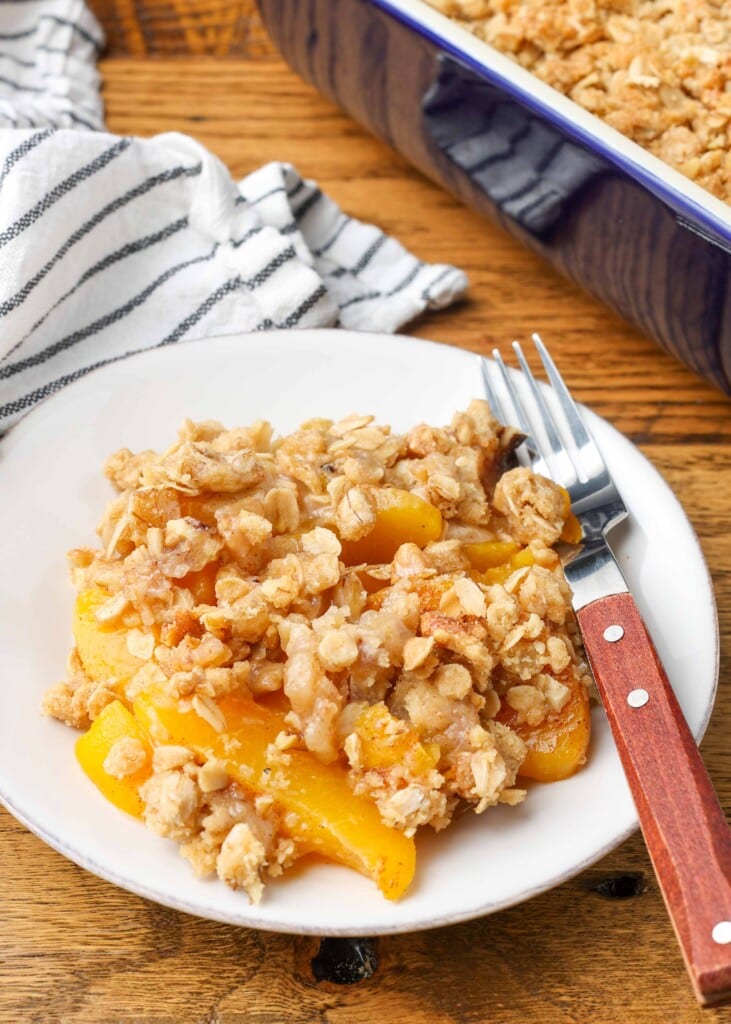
<point>626,227</point>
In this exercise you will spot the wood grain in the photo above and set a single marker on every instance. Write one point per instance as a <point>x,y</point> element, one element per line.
<point>75,950</point>
<point>221,28</point>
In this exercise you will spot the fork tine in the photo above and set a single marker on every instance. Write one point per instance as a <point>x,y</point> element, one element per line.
<point>554,452</point>
<point>556,445</point>
<point>570,410</point>
<point>515,415</point>
<point>493,398</point>
<point>523,422</point>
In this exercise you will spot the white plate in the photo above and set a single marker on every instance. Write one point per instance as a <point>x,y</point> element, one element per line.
<point>53,495</point>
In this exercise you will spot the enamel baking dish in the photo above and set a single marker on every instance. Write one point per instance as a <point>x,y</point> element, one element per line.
<point>629,229</point>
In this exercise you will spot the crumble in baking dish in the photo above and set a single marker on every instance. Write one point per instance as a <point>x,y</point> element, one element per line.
<point>659,71</point>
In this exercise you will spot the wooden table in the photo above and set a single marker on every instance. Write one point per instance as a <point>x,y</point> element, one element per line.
<point>599,949</point>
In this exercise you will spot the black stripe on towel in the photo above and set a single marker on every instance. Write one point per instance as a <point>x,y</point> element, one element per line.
<point>205,307</point>
<point>334,237</point>
<point>294,318</point>
<point>262,197</point>
<point>370,296</point>
<point>63,344</point>
<point>266,272</point>
<point>134,193</point>
<point>307,205</point>
<point>75,27</point>
<point>238,242</point>
<point>63,187</point>
<point>20,88</point>
<point>425,293</point>
<point>32,397</point>
<point>75,118</point>
<point>20,151</point>
<point>363,261</point>
<point>18,61</point>
<point>24,33</point>
<point>130,249</point>
<point>365,297</point>
<point>406,281</point>
<point>53,49</point>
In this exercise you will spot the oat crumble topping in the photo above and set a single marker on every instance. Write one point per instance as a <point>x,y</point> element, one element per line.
<point>239,563</point>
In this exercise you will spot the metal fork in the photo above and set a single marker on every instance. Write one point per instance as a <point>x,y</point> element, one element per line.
<point>684,826</point>
<point>577,466</point>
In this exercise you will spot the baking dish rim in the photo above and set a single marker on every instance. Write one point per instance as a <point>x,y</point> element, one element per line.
<point>694,206</point>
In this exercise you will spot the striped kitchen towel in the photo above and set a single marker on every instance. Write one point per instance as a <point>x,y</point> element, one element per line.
<point>112,245</point>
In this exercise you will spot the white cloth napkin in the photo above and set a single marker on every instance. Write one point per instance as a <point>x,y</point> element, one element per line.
<point>112,245</point>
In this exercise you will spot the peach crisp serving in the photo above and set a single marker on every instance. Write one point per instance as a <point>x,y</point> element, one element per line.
<point>321,643</point>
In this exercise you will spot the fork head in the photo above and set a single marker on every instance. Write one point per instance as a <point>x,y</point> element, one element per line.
<point>558,444</point>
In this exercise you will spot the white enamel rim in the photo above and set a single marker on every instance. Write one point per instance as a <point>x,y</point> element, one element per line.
<point>478,867</point>
<point>664,180</point>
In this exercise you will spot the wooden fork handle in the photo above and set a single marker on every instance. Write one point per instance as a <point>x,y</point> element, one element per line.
<point>683,824</point>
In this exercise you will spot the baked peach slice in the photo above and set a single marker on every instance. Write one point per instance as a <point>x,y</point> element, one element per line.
<point>557,746</point>
<point>494,560</point>
<point>115,723</point>
<point>386,741</point>
<point>103,649</point>
<point>489,554</point>
<point>320,810</point>
<point>107,650</point>
<point>401,518</point>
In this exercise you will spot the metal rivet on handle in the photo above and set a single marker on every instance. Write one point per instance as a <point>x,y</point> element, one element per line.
<point>637,698</point>
<point>722,933</point>
<point>613,633</point>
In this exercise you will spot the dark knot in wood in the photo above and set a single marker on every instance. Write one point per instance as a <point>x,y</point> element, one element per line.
<point>345,961</point>
<point>621,886</point>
